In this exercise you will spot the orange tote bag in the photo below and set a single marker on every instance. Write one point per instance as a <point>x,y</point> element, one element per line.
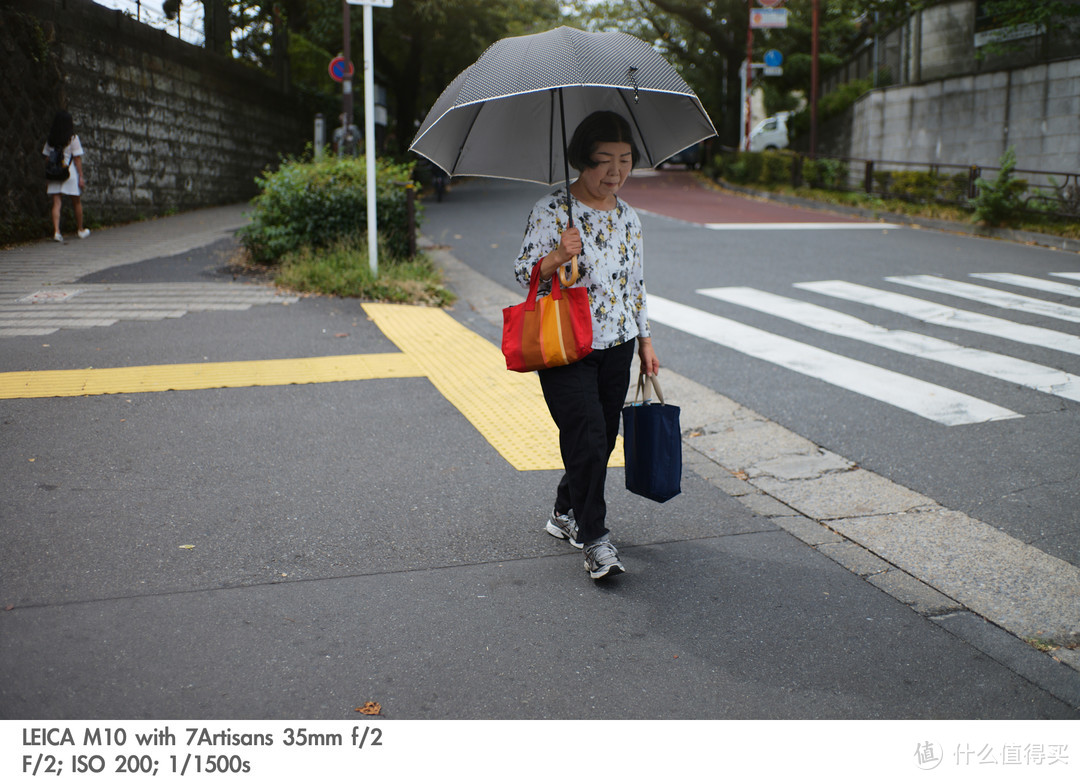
<point>554,330</point>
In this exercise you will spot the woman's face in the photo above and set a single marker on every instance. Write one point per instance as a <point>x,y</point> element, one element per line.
<point>613,160</point>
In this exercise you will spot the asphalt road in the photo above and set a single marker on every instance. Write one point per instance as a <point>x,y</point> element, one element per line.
<point>1020,474</point>
<point>296,550</point>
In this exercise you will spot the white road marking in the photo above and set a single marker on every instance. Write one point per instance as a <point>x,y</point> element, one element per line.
<point>1033,282</point>
<point>1003,367</point>
<point>927,400</point>
<point>946,316</point>
<point>1005,300</point>
<point>801,226</point>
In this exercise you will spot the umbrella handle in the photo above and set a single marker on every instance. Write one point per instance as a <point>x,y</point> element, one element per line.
<point>574,275</point>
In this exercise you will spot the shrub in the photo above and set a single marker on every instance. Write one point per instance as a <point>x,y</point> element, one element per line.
<point>315,204</point>
<point>999,202</point>
<point>776,168</point>
<point>954,189</point>
<point>921,186</point>
<point>745,168</point>
<point>826,173</point>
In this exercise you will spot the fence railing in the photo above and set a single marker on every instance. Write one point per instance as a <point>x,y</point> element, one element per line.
<point>1053,193</point>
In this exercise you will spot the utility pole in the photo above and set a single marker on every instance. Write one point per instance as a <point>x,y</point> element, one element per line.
<point>814,80</point>
<point>749,81</point>
<point>346,83</point>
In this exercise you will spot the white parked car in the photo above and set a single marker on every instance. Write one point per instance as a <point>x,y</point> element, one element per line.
<point>770,133</point>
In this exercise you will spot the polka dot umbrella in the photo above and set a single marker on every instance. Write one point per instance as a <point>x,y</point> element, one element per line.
<point>506,115</point>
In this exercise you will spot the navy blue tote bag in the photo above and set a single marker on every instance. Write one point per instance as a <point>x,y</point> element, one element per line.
<point>652,443</point>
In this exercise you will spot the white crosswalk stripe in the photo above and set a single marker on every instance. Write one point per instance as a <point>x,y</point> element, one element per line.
<point>44,311</point>
<point>1008,369</point>
<point>947,406</point>
<point>1033,283</point>
<point>1000,298</point>
<point>933,402</point>
<point>946,316</point>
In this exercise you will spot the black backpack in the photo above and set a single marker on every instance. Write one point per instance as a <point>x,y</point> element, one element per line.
<point>55,170</point>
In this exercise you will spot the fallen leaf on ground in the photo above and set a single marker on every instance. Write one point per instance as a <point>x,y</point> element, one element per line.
<point>187,547</point>
<point>740,474</point>
<point>370,708</point>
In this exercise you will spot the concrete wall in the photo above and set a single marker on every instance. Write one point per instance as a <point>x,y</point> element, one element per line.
<point>939,31</point>
<point>166,125</point>
<point>939,42</point>
<point>973,119</point>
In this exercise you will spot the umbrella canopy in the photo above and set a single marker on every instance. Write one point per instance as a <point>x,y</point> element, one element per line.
<point>503,116</point>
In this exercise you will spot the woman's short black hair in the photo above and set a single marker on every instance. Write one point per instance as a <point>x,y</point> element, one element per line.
<point>598,128</point>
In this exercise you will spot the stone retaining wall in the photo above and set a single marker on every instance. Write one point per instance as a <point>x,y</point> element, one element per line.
<point>165,125</point>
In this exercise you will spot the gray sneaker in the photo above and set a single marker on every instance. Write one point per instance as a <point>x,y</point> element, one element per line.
<point>602,560</point>
<point>564,527</point>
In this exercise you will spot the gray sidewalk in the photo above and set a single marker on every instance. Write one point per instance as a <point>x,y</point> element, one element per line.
<point>39,294</point>
<point>343,555</point>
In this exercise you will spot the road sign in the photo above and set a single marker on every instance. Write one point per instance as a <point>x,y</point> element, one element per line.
<point>337,69</point>
<point>376,3</point>
<point>771,70</point>
<point>771,3</point>
<point>763,18</point>
<point>773,59</point>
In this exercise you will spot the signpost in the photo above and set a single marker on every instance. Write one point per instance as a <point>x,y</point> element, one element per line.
<point>773,62</point>
<point>771,17</point>
<point>768,18</point>
<point>369,120</point>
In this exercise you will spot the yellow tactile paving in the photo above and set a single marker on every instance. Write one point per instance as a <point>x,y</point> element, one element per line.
<point>203,376</point>
<point>506,407</point>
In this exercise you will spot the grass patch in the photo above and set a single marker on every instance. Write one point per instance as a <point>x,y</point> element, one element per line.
<point>1041,644</point>
<point>342,270</point>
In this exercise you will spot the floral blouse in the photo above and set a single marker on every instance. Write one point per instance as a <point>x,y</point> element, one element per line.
<point>611,263</point>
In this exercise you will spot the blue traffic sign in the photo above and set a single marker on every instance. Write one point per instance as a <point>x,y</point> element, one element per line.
<point>773,58</point>
<point>337,69</point>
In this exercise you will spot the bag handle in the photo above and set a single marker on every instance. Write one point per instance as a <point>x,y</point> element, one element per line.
<point>556,291</point>
<point>534,286</point>
<point>643,389</point>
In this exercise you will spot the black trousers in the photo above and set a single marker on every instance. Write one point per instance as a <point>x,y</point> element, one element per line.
<point>585,400</point>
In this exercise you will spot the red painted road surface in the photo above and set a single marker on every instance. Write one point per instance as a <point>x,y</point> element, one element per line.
<point>679,194</point>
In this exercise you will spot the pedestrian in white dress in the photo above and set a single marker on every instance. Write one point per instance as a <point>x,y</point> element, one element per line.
<point>62,136</point>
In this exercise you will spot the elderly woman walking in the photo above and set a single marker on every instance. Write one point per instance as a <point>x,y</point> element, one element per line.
<point>585,398</point>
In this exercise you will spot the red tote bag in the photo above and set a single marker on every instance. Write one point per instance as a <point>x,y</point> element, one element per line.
<point>554,330</point>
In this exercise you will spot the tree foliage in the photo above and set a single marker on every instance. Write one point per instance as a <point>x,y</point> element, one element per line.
<point>706,40</point>
<point>422,45</point>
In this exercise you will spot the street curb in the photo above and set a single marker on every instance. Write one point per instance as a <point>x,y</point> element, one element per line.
<point>805,505</point>
<point>1001,234</point>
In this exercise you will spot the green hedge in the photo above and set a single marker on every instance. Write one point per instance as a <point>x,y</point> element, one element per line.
<point>922,186</point>
<point>317,204</point>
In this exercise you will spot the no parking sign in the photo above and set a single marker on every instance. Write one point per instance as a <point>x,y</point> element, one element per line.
<point>337,69</point>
